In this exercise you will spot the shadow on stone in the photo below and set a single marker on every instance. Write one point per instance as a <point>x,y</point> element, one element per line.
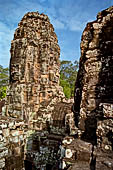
<point>42,151</point>
<point>90,130</point>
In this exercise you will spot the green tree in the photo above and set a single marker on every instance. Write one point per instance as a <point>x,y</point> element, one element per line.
<point>4,79</point>
<point>68,74</point>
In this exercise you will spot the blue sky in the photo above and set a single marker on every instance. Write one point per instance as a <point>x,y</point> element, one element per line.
<point>68,17</point>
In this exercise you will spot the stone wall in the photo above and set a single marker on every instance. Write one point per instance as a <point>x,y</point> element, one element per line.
<point>13,135</point>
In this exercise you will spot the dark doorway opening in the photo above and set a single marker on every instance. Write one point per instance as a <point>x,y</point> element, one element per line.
<point>49,167</point>
<point>28,165</point>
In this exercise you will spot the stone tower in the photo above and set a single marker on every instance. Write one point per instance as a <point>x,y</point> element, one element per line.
<point>37,115</point>
<point>34,66</point>
<point>93,106</point>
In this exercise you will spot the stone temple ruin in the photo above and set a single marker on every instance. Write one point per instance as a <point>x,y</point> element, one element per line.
<point>39,128</point>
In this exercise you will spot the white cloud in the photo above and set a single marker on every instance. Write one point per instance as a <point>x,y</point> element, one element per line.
<point>42,1</point>
<point>12,12</point>
<point>75,25</point>
<point>74,16</point>
<point>57,23</point>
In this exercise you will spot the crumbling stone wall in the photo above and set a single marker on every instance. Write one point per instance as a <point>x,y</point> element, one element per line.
<point>13,134</point>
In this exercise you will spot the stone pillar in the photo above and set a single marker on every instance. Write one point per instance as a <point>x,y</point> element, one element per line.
<point>34,66</point>
<point>94,85</point>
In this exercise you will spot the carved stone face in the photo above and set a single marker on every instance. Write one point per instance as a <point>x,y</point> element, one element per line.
<point>95,81</point>
<point>34,64</point>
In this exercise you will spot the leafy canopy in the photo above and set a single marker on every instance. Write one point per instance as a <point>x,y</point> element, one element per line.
<point>68,75</point>
<point>4,79</point>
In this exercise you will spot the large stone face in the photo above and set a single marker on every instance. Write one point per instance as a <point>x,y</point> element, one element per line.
<point>34,66</point>
<point>93,100</point>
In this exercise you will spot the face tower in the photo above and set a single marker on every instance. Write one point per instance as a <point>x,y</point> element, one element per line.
<point>34,66</point>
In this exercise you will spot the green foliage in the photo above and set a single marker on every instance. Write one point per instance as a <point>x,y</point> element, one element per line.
<point>68,74</point>
<point>3,92</point>
<point>66,87</point>
<point>4,78</point>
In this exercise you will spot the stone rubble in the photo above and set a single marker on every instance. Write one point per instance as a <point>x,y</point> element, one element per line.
<point>12,142</point>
